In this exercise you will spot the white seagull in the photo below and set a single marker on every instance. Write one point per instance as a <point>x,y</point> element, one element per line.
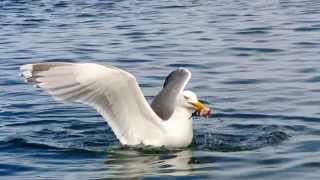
<point>116,95</point>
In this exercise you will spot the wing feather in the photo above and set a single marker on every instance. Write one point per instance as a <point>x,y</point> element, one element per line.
<point>165,102</point>
<point>114,93</point>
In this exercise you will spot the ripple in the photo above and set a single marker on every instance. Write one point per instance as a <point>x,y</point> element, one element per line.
<point>212,159</point>
<point>314,79</point>
<point>127,26</point>
<point>307,44</point>
<point>12,169</point>
<point>173,7</point>
<point>23,144</point>
<point>60,60</point>
<point>61,4</point>
<point>239,142</point>
<point>40,122</point>
<point>311,164</point>
<point>307,29</point>
<point>274,161</point>
<point>86,15</point>
<point>274,137</point>
<point>186,65</point>
<point>308,146</point>
<point>263,116</point>
<point>35,20</point>
<point>252,32</point>
<point>243,81</point>
<point>260,50</point>
<point>83,50</point>
<point>85,125</point>
<point>133,60</point>
<point>308,70</point>
<point>255,30</point>
<point>134,34</point>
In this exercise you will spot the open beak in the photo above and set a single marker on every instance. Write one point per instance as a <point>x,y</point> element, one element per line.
<point>201,109</point>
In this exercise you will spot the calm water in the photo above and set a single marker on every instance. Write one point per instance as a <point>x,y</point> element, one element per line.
<point>255,62</point>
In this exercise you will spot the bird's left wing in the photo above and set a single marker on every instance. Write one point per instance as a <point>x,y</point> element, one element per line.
<point>165,102</point>
<point>113,92</point>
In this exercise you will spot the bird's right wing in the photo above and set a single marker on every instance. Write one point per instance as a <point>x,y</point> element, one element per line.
<point>113,92</point>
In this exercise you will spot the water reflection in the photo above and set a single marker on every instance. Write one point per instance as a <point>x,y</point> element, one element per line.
<point>128,163</point>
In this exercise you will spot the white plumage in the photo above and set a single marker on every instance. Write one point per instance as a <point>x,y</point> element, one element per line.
<point>116,95</point>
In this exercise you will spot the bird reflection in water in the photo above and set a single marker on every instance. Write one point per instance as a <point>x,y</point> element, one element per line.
<point>135,163</point>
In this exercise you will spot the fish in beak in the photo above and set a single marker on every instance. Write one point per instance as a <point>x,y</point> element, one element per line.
<point>201,109</point>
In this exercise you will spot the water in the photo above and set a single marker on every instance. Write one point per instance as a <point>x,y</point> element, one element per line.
<point>256,63</point>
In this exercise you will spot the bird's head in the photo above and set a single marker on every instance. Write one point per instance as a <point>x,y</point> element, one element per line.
<point>191,102</point>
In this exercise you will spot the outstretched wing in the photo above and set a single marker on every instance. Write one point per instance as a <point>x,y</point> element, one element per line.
<point>164,103</point>
<point>113,92</point>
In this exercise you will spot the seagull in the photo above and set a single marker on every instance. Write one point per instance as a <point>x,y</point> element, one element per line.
<point>116,95</point>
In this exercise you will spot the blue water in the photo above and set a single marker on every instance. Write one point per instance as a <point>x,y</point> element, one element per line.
<point>255,62</point>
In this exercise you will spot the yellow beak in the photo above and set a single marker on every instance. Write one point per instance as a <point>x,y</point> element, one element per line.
<point>201,109</point>
<point>198,106</point>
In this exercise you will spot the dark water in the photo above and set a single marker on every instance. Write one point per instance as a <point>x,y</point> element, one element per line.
<point>256,62</point>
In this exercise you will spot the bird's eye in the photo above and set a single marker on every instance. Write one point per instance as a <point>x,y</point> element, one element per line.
<point>186,97</point>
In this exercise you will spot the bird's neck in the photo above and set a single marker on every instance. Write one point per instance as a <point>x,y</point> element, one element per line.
<point>181,115</point>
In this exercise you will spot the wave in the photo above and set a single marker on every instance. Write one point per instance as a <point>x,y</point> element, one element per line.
<point>22,143</point>
<point>233,143</point>
<point>264,116</point>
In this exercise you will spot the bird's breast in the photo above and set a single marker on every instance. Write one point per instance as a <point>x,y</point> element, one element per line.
<point>179,132</point>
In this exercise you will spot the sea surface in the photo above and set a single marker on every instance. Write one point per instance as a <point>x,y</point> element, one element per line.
<point>256,63</point>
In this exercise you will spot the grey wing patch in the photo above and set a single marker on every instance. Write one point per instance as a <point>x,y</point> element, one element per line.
<point>164,103</point>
